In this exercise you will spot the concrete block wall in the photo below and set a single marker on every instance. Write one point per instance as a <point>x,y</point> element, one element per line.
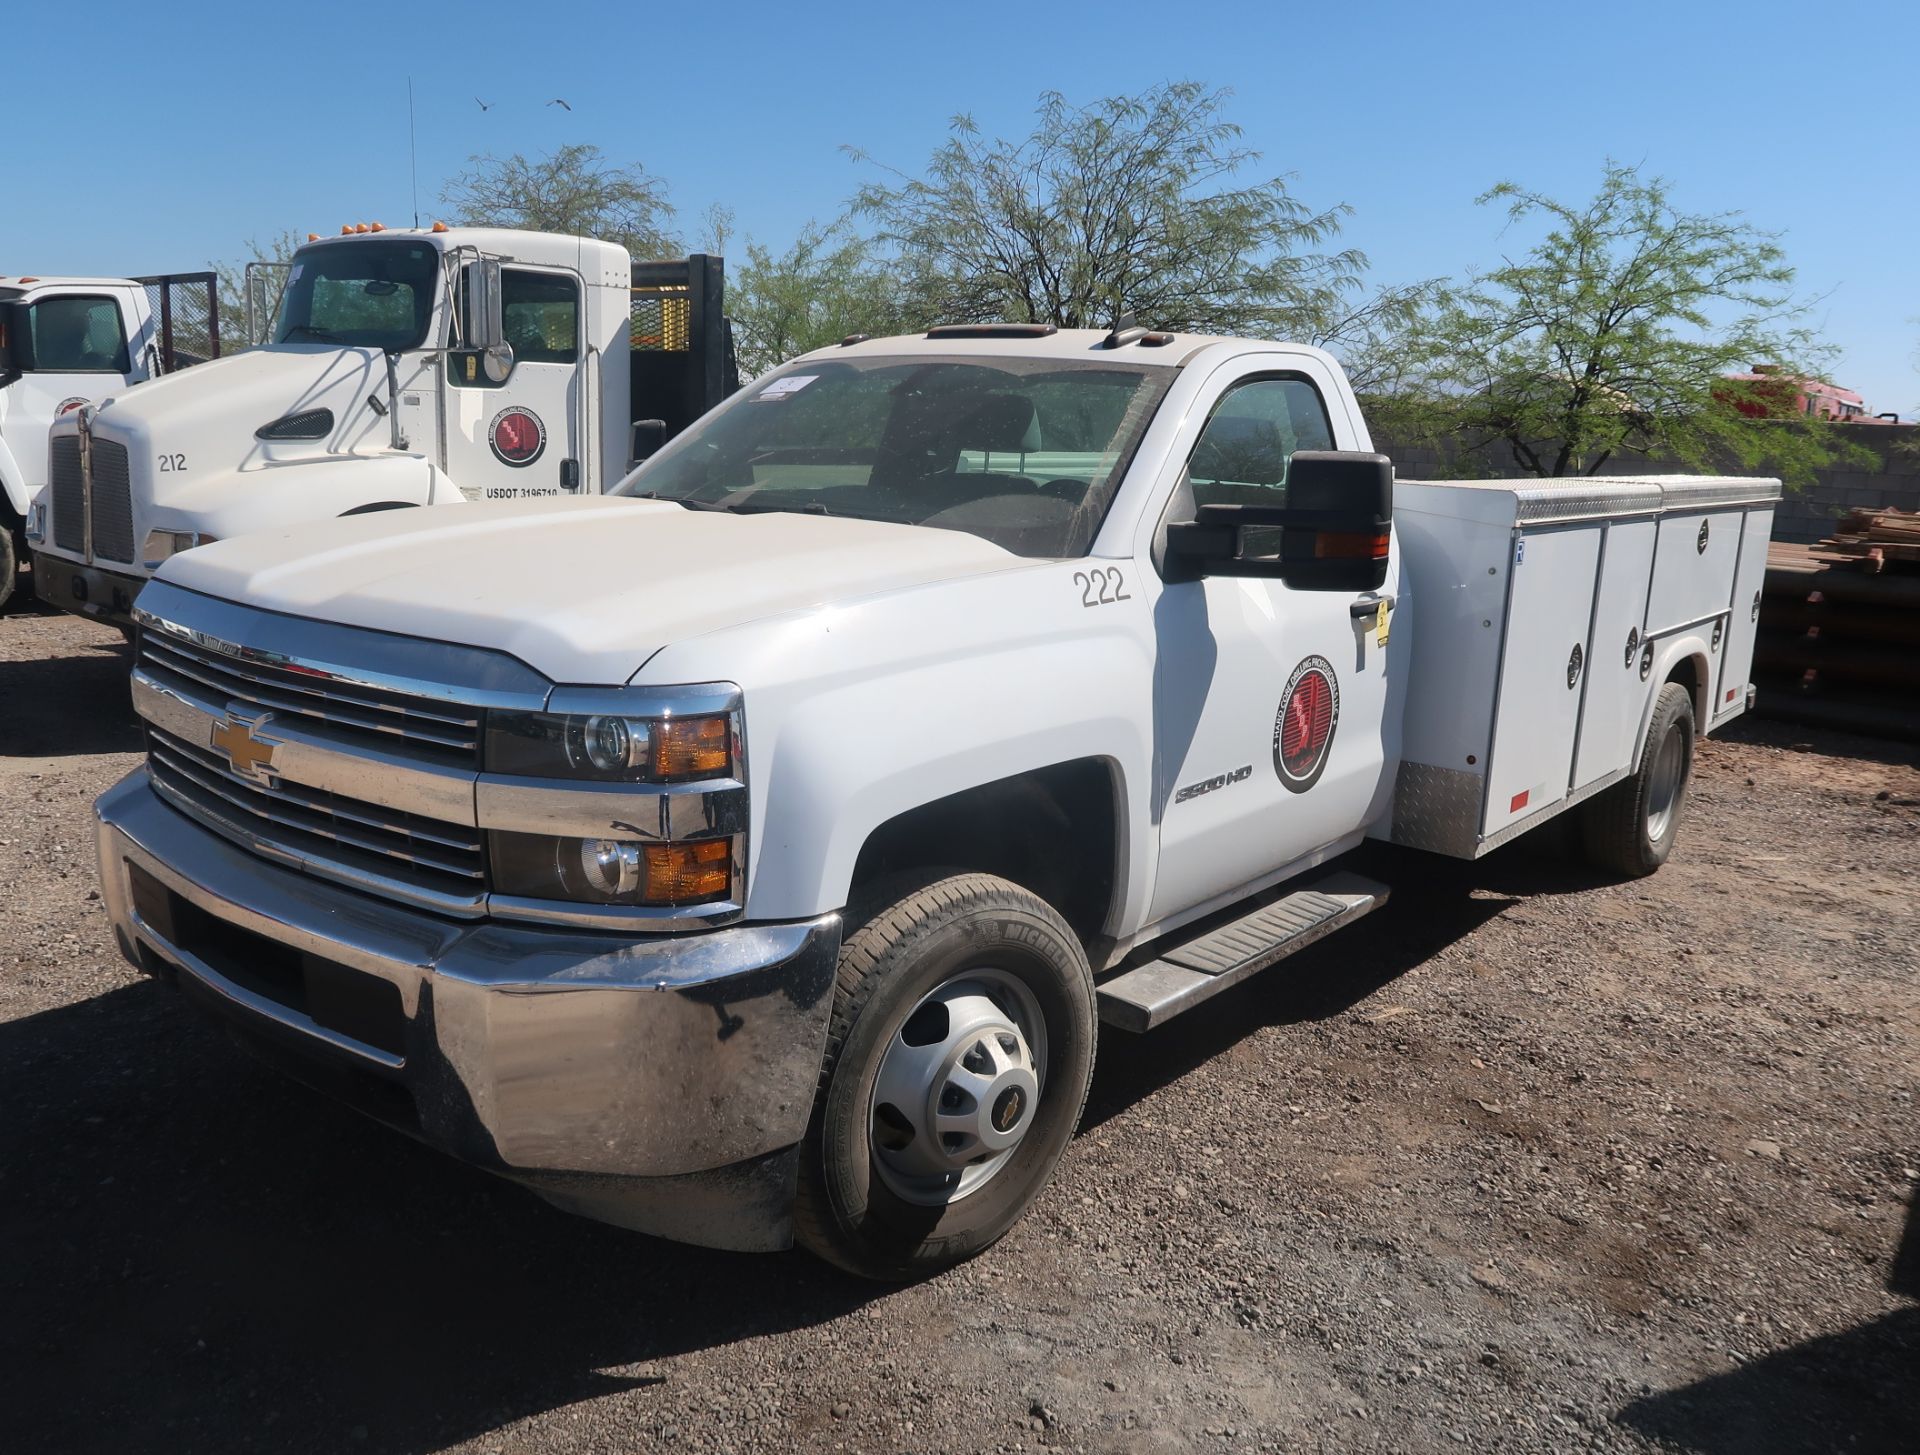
<point>1805,515</point>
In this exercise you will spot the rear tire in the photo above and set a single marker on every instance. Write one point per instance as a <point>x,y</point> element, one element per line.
<point>966,982</point>
<point>1631,828</point>
<point>9,564</point>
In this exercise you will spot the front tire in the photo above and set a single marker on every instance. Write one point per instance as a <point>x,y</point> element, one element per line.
<point>1631,828</point>
<point>9,564</point>
<point>957,1065</point>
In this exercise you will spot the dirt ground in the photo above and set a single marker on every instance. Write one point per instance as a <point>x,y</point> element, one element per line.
<point>1526,1161</point>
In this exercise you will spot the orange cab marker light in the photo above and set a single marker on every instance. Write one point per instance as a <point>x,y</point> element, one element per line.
<point>313,237</point>
<point>438,227</point>
<point>378,227</point>
<point>346,229</point>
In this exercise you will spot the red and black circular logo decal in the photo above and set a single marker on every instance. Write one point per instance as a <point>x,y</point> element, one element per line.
<point>1303,729</point>
<point>70,403</point>
<point>517,436</point>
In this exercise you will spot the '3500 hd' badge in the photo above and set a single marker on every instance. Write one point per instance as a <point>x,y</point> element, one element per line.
<point>1303,728</point>
<point>517,435</point>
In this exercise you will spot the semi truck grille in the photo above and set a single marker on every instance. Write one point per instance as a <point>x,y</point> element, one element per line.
<point>351,714</point>
<point>112,503</point>
<point>429,854</point>
<point>69,503</point>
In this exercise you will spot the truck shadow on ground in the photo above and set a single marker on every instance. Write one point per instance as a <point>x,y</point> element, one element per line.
<point>56,707</point>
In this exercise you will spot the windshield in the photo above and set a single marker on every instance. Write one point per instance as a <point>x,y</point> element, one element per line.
<point>374,295</point>
<point>1025,453</point>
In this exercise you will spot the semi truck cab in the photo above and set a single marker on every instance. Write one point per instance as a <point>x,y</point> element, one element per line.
<point>404,367</point>
<point>763,867</point>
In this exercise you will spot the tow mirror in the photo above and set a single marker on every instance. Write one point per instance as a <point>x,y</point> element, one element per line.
<point>648,436</point>
<point>13,339</point>
<point>1331,534</point>
<point>486,328</point>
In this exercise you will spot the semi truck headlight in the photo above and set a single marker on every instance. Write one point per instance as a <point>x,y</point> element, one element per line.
<point>613,746</point>
<point>163,545</point>
<point>37,522</point>
<point>614,871</point>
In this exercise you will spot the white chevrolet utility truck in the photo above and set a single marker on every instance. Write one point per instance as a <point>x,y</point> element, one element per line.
<point>404,367</point>
<point>760,865</point>
<point>65,342</point>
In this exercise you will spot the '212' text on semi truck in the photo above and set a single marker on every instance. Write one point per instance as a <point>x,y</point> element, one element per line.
<point>405,367</point>
<point>760,866</point>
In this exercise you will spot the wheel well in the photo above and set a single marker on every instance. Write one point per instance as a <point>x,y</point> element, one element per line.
<point>1053,831</point>
<point>1687,673</point>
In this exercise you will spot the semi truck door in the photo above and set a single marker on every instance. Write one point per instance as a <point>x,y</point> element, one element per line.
<point>71,349</point>
<point>1270,702</point>
<point>522,437</point>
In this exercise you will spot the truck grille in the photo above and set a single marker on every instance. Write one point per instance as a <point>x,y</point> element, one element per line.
<point>69,503</point>
<point>112,502</point>
<point>351,714</point>
<point>427,853</point>
<point>112,491</point>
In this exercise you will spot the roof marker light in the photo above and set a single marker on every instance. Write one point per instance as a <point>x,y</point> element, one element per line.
<point>313,237</point>
<point>438,227</point>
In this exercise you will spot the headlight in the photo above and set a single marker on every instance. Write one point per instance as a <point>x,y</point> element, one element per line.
<point>614,871</point>
<point>163,545</point>
<point>612,746</point>
<point>37,522</point>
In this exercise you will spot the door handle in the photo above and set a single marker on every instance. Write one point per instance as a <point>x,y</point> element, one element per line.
<point>1369,606</point>
<point>569,474</point>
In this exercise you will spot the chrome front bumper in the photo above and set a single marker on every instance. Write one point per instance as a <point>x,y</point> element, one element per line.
<point>661,1083</point>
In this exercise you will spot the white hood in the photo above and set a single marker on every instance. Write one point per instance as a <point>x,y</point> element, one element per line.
<point>582,590</point>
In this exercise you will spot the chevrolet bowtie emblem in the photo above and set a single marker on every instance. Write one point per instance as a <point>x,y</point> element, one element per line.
<point>250,754</point>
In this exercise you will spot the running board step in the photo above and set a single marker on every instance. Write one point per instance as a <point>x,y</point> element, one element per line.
<point>1154,993</point>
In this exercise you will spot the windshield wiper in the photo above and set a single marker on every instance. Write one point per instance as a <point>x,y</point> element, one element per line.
<point>676,499</point>
<point>325,335</point>
<point>812,507</point>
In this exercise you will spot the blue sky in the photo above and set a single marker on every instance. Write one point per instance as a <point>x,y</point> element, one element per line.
<point>157,137</point>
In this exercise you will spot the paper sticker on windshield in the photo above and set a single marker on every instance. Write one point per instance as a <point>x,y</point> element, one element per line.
<point>781,388</point>
<point>293,274</point>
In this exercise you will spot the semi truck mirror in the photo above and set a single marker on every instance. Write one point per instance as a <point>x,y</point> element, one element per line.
<point>1331,534</point>
<point>14,339</point>
<point>648,436</point>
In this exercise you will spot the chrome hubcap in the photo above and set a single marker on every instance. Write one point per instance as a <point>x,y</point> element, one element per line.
<point>1663,786</point>
<point>958,1087</point>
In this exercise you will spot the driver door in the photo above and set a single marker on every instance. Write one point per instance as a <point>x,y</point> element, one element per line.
<point>521,437</point>
<point>1270,701</point>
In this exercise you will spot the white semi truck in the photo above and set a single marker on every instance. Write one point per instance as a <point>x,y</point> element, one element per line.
<point>762,866</point>
<point>404,367</point>
<point>66,342</point>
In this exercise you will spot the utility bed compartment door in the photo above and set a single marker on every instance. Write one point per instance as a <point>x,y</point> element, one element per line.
<point>1543,665</point>
<point>1614,698</point>
<point>1743,626</point>
<point>1693,569</point>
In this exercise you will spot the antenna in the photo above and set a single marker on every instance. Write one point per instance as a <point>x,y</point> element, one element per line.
<point>413,155</point>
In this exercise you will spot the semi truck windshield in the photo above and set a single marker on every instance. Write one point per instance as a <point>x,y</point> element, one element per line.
<point>375,295</point>
<point>1023,453</point>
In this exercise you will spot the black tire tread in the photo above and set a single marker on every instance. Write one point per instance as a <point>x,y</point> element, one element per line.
<point>1613,824</point>
<point>885,915</point>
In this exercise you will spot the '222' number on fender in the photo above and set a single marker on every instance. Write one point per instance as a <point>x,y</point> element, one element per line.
<point>172,464</point>
<point>1102,586</point>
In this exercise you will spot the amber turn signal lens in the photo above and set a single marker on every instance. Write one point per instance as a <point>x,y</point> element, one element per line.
<point>689,873</point>
<point>691,746</point>
<point>1348,545</point>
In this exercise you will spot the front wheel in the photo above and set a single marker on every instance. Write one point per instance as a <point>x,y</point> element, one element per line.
<point>957,1064</point>
<point>9,564</point>
<point>1630,829</point>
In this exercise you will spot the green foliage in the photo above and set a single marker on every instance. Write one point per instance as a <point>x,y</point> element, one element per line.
<point>233,291</point>
<point>827,285</point>
<point>574,191</point>
<point>1615,331</point>
<point>1132,203</point>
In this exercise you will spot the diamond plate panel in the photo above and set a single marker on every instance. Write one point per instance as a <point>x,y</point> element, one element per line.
<point>1438,809</point>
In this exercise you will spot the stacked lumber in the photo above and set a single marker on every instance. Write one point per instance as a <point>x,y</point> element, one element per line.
<point>1839,635</point>
<point>1878,538</point>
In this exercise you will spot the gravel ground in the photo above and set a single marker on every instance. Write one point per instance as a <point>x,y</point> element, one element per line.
<point>1527,1161</point>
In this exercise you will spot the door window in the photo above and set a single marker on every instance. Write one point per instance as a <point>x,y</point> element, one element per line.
<point>540,315</point>
<point>77,336</point>
<point>1242,454</point>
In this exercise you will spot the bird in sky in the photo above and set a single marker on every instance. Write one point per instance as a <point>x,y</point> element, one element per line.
<point>483,105</point>
<point>558,102</point>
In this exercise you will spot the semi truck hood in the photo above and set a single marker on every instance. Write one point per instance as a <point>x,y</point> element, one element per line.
<point>582,590</point>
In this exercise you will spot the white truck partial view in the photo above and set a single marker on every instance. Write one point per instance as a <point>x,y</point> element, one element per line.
<point>66,342</point>
<point>763,866</point>
<point>404,367</point>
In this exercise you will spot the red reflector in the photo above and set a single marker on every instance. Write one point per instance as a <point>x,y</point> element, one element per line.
<point>1519,801</point>
<point>1730,693</point>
